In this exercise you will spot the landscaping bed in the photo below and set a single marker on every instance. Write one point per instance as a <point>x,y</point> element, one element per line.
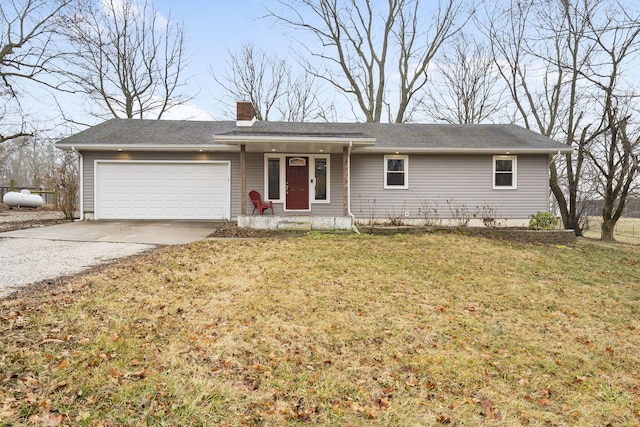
<point>521,235</point>
<point>230,230</point>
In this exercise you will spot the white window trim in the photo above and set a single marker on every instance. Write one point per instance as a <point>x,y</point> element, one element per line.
<point>283,176</point>
<point>514,173</point>
<point>266,177</point>
<point>312,177</point>
<point>406,172</point>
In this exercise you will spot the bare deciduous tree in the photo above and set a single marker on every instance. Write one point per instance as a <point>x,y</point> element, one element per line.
<point>303,102</point>
<point>561,62</point>
<point>267,81</point>
<point>27,51</point>
<point>542,53</point>
<point>254,76</point>
<point>129,59</point>
<point>467,88</point>
<point>360,41</point>
<point>616,168</point>
<point>615,152</point>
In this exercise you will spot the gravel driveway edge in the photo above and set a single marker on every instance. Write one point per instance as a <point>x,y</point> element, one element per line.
<point>27,261</point>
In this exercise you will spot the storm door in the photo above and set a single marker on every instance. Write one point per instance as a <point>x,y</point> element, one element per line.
<point>297,185</point>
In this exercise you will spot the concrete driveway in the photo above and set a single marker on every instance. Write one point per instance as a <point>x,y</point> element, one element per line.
<point>45,253</point>
<point>145,232</point>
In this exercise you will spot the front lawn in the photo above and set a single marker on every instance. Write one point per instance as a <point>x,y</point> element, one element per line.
<point>332,330</point>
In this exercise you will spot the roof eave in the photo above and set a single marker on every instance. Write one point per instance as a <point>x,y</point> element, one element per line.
<point>464,150</point>
<point>146,147</point>
<point>365,146</point>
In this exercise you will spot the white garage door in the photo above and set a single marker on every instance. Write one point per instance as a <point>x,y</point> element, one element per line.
<point>162,190</point>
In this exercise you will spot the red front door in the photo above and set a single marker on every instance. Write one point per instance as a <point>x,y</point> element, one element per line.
<point>297,183</point>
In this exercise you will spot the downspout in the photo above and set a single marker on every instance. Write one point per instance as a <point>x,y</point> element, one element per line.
<point>353,218</point>
<point>80,182</point>
<point>549,192</point>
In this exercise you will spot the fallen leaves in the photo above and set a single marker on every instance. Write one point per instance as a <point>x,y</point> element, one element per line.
<point>444,419</point>
<point>47,419</point>
<point>489,411</point>
<point>117,376</point>
<point>359,332</point>
<point>6,413</point>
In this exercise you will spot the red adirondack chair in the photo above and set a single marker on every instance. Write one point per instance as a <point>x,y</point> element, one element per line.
<point>258,204</point>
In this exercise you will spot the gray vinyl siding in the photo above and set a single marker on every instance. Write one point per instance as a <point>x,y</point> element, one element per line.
<point>255,178</point>
<point>255,181</point>
<point>466,181</point>
<point>463,180</point>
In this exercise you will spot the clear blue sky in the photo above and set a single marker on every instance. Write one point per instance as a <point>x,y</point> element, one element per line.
<point>215,27</point>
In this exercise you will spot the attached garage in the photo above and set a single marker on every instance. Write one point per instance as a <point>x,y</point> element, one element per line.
<point>190,190</point>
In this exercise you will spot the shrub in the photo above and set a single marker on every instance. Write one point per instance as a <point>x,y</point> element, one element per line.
<point>460,213</point>
<point>64,180</point>
<point>429,212</point>
<point>543,221</point>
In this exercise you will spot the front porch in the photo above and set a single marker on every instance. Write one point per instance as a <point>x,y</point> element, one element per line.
<point>304,175</point>
<point>297,222</point>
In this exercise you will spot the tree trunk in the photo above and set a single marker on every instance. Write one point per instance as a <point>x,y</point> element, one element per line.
<point>608,226</point>
<point>568,211</point>
<point>574,214</point>
<point>573,223</point>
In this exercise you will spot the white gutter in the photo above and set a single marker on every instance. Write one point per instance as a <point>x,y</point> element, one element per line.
<point>362,145</point>
<point>353,218</point>
<point>466,150</point>
<point>148,147</point>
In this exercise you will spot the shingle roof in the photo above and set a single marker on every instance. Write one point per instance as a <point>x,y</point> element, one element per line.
<point>429,137</point>
<point>152,132</point>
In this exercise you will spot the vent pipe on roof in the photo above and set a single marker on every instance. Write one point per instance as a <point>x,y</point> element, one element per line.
<point>245,114</point>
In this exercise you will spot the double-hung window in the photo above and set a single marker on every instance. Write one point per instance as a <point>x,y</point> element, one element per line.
<point>396,172</point>
<point>505,172</point>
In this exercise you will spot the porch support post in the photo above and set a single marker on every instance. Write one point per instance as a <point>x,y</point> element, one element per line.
<point>243,179</point>
<point>345,180</point>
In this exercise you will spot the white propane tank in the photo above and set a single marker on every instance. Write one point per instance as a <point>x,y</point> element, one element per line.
<point>22,199</point>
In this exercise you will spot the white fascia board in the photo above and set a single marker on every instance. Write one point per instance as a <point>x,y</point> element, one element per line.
<point>445,150</point>
<point>248,139</point>
<point>148,147</point>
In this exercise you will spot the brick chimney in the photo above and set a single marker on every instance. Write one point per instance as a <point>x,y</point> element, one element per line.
<point>245,114</point>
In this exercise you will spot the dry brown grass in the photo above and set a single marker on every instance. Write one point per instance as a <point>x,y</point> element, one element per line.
<point>326,330</point>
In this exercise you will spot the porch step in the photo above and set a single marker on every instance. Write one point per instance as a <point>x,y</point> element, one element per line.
<point>297,224</point>
<point>302,223</point>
